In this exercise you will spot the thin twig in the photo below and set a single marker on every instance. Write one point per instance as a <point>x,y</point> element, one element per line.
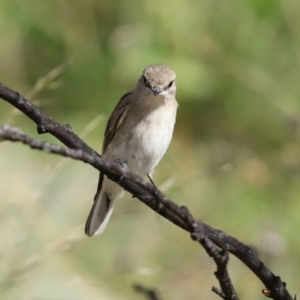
<point>151,294</point>
<point>220,257</point>
<point>45,124</point>
<point>218,292</point>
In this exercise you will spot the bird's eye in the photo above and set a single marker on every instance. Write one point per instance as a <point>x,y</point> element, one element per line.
<point>170,84</point>
<point>145,80</point>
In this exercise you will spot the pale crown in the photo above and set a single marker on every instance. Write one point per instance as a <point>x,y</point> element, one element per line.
<point>158,78</point>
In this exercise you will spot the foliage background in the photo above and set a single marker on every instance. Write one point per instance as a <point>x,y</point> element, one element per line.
<point>234,160</point>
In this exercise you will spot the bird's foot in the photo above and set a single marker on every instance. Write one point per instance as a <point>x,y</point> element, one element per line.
<point>151,179</point>
<point>124,165</point>
<point>159,204</point>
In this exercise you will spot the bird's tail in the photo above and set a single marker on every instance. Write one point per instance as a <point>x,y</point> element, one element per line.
<point>103,206</point>
<point>99,215</point>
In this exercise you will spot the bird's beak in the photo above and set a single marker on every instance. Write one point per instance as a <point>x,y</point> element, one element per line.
<point>156,90</point>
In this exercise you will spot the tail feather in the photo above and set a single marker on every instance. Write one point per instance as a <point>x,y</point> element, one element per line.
<point>99,215</point>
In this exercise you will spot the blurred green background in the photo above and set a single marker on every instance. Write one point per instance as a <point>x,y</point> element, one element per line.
<point>234,160</point>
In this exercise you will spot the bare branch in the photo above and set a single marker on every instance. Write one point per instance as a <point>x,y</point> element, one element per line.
<point>151,294</point>
<point>221,259</point>
<point>44,123</point>
<point>146,192</point>
<point>218,292</point>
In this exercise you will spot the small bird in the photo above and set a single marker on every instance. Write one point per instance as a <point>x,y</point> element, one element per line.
<point>137,133</point>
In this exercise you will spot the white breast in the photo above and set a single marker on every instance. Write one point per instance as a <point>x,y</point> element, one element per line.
<point>152,138</point>
<point>145,134</point>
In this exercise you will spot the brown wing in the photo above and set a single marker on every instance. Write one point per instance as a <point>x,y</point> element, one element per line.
<point>115,120</point>
<point>112,125</point>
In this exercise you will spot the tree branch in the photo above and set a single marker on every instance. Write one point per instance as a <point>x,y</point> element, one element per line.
<point>221,259</point>
<point>144,191</point>
<point>151,294</point>
<point>44,123</point>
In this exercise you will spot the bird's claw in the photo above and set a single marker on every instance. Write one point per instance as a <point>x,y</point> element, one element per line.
<point>123,164</point>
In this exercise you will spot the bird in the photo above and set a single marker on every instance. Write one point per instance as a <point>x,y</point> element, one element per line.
<point>137,133</point>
